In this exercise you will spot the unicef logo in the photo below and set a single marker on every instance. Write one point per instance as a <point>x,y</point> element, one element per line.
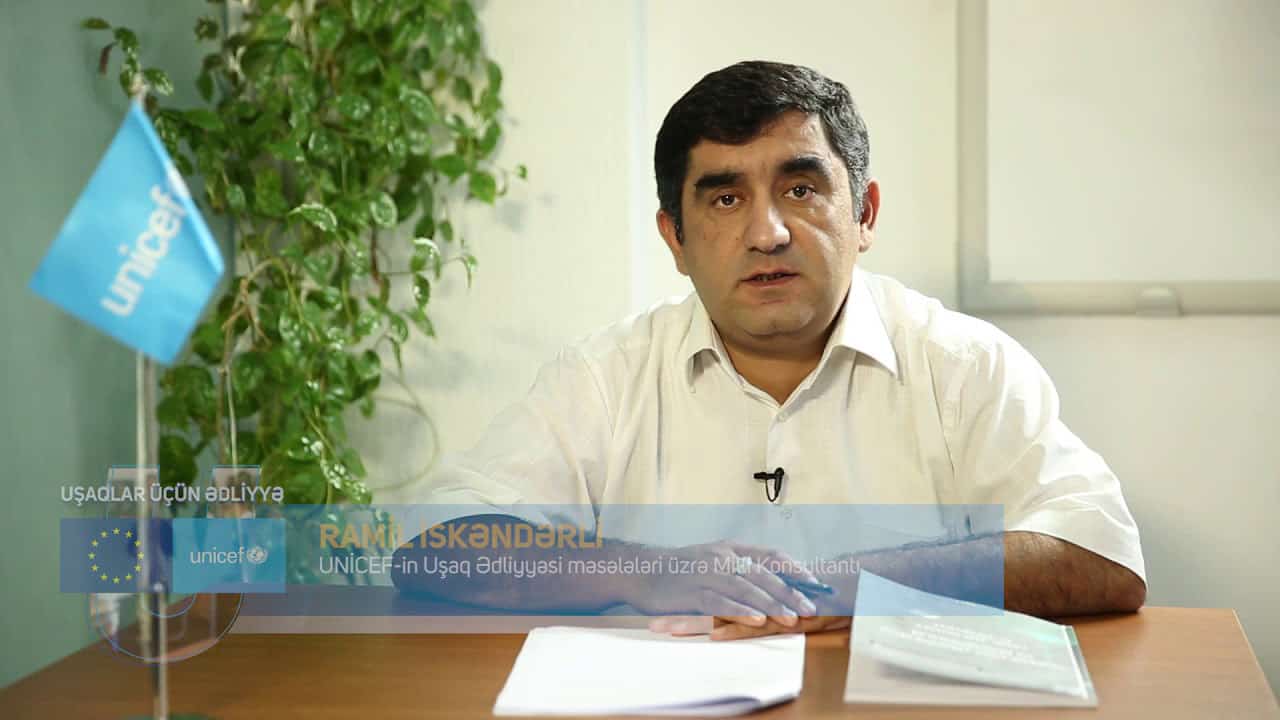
<point>256,555</point>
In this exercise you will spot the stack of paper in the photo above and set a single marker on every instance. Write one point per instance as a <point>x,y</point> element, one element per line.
<point>912,647</point>
<point>588,671</point>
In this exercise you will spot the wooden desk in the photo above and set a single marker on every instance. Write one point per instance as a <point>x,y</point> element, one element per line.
<point>1159,663</point>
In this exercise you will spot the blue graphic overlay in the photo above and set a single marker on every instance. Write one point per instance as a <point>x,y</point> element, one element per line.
<point>106,555</point>
<point>228,555</point>
<point>627,559</point>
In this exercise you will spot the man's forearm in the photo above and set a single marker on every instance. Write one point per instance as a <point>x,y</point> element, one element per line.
<point>1042,575</point>
<point>1050,577</point>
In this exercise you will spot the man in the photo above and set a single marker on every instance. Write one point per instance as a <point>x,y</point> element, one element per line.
<point>788,356</point>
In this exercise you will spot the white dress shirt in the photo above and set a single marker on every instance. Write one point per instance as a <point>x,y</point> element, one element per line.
<point>910,403</point>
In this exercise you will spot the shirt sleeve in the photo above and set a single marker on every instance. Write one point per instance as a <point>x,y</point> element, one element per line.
<point>538,456</point>
<point>1010,447</point>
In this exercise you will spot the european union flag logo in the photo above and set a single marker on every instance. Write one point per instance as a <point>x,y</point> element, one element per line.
<point>134,258</point>
<point>107,554</point>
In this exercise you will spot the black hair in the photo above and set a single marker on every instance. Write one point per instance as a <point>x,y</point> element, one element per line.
<point>734,104</point>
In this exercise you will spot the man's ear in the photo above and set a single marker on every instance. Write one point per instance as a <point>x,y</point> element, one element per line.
<point>870,212</point>
<point>667,228</point>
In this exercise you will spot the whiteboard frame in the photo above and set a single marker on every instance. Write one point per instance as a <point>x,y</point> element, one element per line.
<point>979,295</point>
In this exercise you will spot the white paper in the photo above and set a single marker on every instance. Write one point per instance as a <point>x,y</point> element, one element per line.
<point>591,671</point>
<point>919,648</point>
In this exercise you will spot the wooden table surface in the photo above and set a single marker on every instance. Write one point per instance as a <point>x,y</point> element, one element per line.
<point>1158,663</point>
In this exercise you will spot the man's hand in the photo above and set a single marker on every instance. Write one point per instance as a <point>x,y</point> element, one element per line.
<point>694,583</point>
<point>729,628</point>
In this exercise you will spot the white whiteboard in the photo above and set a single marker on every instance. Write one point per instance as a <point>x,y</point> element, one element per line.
<point>1111,149</point>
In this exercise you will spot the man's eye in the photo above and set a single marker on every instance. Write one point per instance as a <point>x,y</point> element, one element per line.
<point>725,201</point>
<point>800,192</point>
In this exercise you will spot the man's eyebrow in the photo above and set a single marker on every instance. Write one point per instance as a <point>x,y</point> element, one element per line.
<point>718,178</point>
<point>807,164</point>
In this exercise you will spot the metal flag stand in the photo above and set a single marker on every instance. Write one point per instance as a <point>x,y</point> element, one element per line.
<point>152,599</point>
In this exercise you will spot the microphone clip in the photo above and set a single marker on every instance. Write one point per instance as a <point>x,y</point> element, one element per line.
<point>776,476</point>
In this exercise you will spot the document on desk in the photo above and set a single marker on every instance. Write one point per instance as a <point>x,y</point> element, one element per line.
<point>913,647</point>
<point>590,671</point>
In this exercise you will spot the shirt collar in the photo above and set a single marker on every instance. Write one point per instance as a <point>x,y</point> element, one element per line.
<point>859,327</point>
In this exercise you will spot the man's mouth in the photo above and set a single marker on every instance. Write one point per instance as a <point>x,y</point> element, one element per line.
<point>765,279</point>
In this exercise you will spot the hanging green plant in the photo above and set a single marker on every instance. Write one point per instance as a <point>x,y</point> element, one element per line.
<point>338,137</point>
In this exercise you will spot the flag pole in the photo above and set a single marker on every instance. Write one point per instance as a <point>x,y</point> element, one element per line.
<point>151,622</point>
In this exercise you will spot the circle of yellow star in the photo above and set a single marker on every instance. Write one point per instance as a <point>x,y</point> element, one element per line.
<point>94,543</point>
<point>128,533</point>
<point>115,580</point>
<point>91,555</point>
<point>102,576</point>
<point>104,533</point>
<point>94,568</point>
<point>115,531</point>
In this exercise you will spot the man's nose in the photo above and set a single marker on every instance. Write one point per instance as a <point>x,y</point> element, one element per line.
<point>766,232</point>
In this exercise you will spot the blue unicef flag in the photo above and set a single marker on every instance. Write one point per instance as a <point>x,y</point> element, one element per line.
<point>134,258</point>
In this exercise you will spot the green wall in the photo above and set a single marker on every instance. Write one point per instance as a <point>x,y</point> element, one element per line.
<point>68,389</point>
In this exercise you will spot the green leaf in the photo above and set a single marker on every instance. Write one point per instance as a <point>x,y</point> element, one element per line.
<point>422,322</point>
<point>128,41</point>
<point>399,329</point>
<point>421,291</point>
<point>489,140</point>
<point>452,165</point>
<point>366,324</point>
<point>329,28</point>
<point>177,461</point>
<point>204,119</point>
<point>288,151</point>
<point>462,89</point>
<point>469,262</point>
<point>324,145</point>
<point>206,28</point>
<point>171,412</point>
<point>425,252</point>
<point>382,209</point>
<point>354,106</point>
<point>446,231</point>
<point>367,367</point>
<point>361,59</point>
<point>495,76</point>
<point>207,342</point>
<point>522,172</point>
<point>319,265</point>
<point>268,193</point>
<point>235,198</point>
<point>395,350</point>
<point>272,27</point>
<point>248,372</point>
<point>419,105</point>
<point>289,328</point>
<point>95,23</point>
<point>351,459</point>
<point>484,186</point>
<point>318,215</point>
<point>361,12</point>
<point>204,83</point>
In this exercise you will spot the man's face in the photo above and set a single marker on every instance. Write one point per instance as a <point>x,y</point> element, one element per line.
<point>770,235</point>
